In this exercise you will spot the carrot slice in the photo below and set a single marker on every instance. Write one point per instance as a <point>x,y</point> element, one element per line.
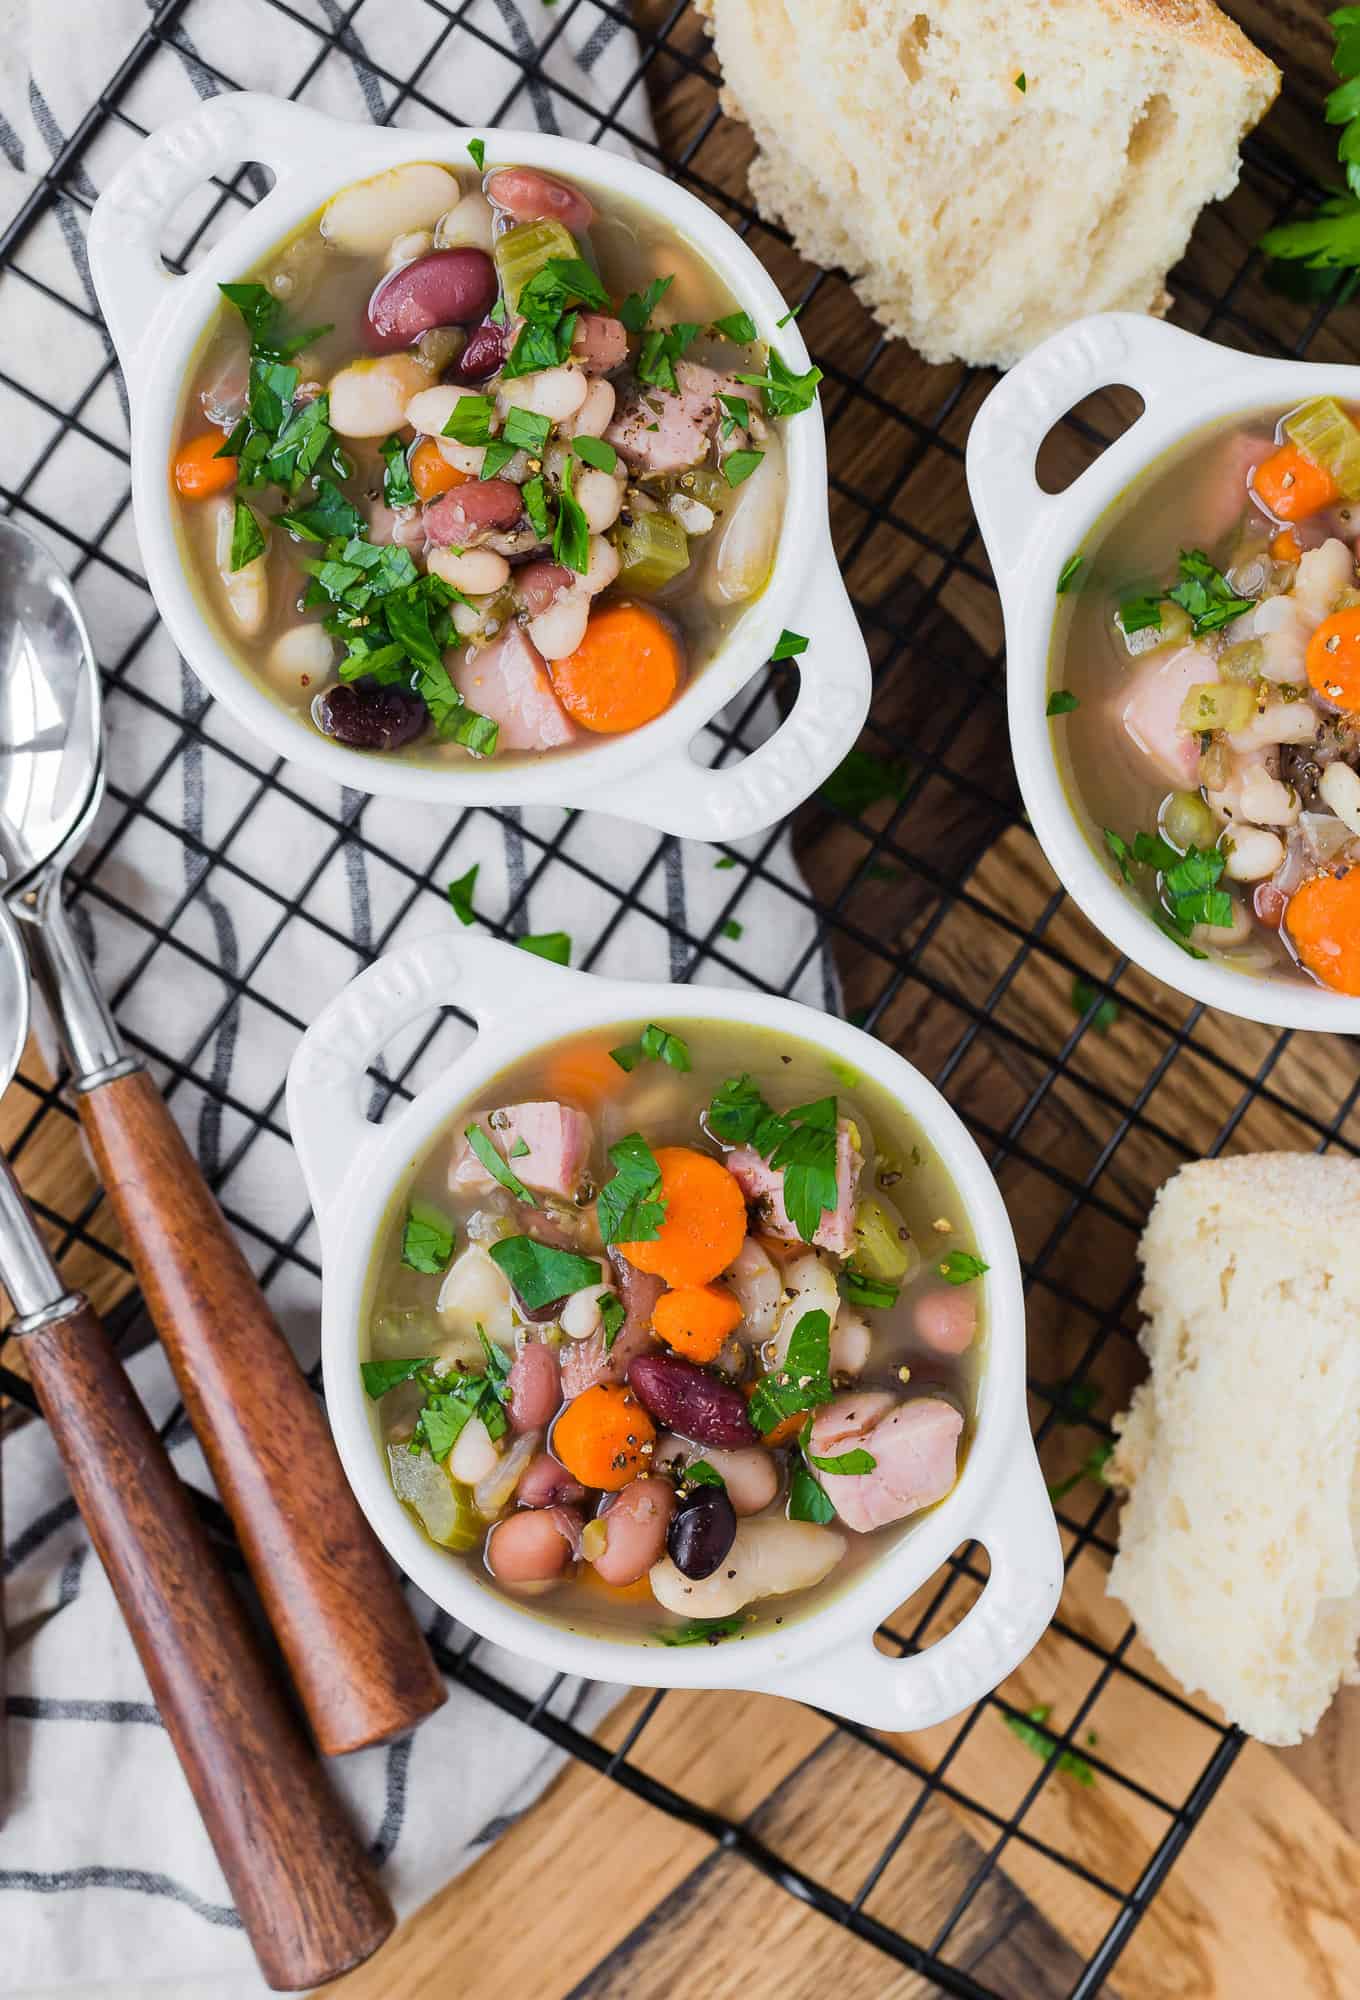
<point>600,1435</point>
<point>1333,658</point>
<point>1286,547</point>
<point>431,473</point>
<point>696,1319</point>
<point>705,1220</point>
<point>199,472</point>
<point>1323,919</point>
<point>624,672</point>
<point>1293,486</point>
<point>785,1431</point>
<point>585,1074</point>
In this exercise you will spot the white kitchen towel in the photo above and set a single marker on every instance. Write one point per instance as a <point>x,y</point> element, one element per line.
<point>200,875</point>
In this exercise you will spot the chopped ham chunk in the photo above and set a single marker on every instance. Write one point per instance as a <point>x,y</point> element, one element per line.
<point>666,430</point>
<point>558,1142</point>
<point>508,681</point>
<point>763,1186</point>
<point>914,1447</point>
<point>1151,714</point>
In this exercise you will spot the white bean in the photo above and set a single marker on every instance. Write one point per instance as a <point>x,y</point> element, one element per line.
<point>467,225</point>
<point>462,457</point>
<point>475,571</point>
<point>364,218</point>
<point>405,249</point>
<point>744,553</point>
<point>430,410</point>
<point>1223,937</point>
<point>1267,802</point>
<point>303,653</point>
<point>1278,722</point>
<point>600,497</point>
<point>246,590</point>
<point>809,1286</point>
<point>602,566</point>
<point>1253,853</point>
<point>850,1344</point>
<point>759,1288</point>
<point>768,1558</point>
<point>474,1455</point>
<point>1340,789</point>
<point>594,416</point>
<point>1323,573</point>
<point>693,516</point>
<point>474,1289</point>
<point>369,398</point>
<point>581,1314</point>
<point>560,630</point>
<point>557,393</point>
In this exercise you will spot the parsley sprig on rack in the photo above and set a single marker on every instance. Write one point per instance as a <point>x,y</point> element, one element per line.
<point>1328,242</point>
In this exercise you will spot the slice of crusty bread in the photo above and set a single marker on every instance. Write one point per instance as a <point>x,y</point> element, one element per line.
<point>977,217</point>
<point>1239,1544</point>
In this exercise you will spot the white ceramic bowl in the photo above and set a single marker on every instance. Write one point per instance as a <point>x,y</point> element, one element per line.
<point>1186,384</point>
<point>157,321</point>
<point>353,1170</point>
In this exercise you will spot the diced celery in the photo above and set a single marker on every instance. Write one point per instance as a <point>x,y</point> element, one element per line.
<point>522,252</point>
<point>705,485</point>
<point>883,1246</point>
<point>652,548</point>
<point>1217,705</point>
<point>445,1508</point>
<point>1245,662</point>
<point>1323,432</point>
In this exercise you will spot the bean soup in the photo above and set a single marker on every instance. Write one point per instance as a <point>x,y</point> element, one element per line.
<point>481,465</point>
<point>673,1330</point>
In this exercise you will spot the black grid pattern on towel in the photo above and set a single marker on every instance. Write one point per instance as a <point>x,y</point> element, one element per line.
<point>876,511</point>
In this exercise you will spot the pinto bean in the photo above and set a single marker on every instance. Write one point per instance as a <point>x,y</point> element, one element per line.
<point>687,1399</point>
<point>600,343</point>
<point>443,288</point>
<point>946,1321</point>
<point>487,348</point>
<point>531,196</point>
<point>635,1521</point>
<point>539,584</point>
<point>462,517</point>
<point>535,1546</point>
<point>545,1482</point>
<point>535,1387</point>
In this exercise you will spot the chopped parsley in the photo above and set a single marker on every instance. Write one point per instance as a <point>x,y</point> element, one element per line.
<point>1188,883</point>
<point>701,1631</point>
<point>638,307</point>
<point>801,1143</point>
<point>541,1274</point>
<point>804,1380</point>
<point>784,393</point>
<point>726,861</point>
<point>863,779</point>
<point>701,1473</point>
<point>808,1500</point>
<point>329,515</point>
<point>631,1208</point>
<point>398,488</point>
<point>496,457</point>
<point>380,1376</point>
<point>488,1153</point>
<point>661,348</point>
<point>733,930</point>
<point>654,1045</point>
<point>452,1400</point>
<point>557,285</point>
<point>1067,575</point>
<point>1091,1467</point>
<point>960,1267</point>
<point>571,537</point>
<point>789,645</point>
<point>791,314</point>
<point>612,1315</point>
<point>1061,702</point>
<point>461,892</point>
<point>427,1239</point>
<point>1028,1729</point>
<point>849,1465</point>
<point>736,414</point>
<point>470,420</point>
<point>1328,241</point>
<point>552,945</point>
<point>278,441</point>
<point>1084,995</point>
<point>477,153</point>
<point>597,452</point>
<point>738,326</point>
<point>539,346</point>
<point>858,1289</point>
<point>1202,591</point>
<point>1020,83</point>
<point>535,496</point>
<point>739,465</point>
<point>247,540</point>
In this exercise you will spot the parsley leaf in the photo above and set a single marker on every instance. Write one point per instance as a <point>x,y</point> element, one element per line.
<point>858,1289</point>
<point>470,420</point>
<point>525,429</point>
<point>1083,998</point>
<point>552,945</point>
<point>461,892</point>
<point>784,392</point>
<point>1091,1467</point>
<point>1028,1730</point>
<point>802,1383</point>
<point>656,1045</point>
<point>1067,575</point>
<point>558,284</point>
<point>1061,702</point>
<point>701,1473</point>
<point>487,1152</point>
<point>701,1631</point>
<point>540,1274</point>
<point>739,465</point>
<point>427,1240</point>
<point>247,540</point>
<point>661,348</point>
<point>738,326</point>
<point>380,1376</point>
<point>597,452</point>
<point>1329,240</point>
<point>789,645</point>
<point>477,153</point>
<point>1140,614</point>
<point>535,496</point>
<point>808,1500</point>
<point>398,490</point>
<point>631,1208</point>
<point>806,1154</point>
<point>539,346</point>
<point>571,537</point>
<point>613,1313</point>
<point>638,307</point>
<point>849,1465</point>
<point>1205,593</point>
<point>862,780</point>
<point>960,1267</point>
<point>329,515</point>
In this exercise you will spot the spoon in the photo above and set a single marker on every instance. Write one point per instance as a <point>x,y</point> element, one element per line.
<point>352,1645</point>
<point>302,1883</point>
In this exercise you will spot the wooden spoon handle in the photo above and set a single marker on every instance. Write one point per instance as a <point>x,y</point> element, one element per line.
<point>305,1890</point>
<point>352,1645</point>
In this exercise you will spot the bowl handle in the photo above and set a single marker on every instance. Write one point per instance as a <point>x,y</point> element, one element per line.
<point>1017,1602</point>
<point>326,1075</point>
<point>1096,353</point>
<point>678,796</point>
<point>130,276</point>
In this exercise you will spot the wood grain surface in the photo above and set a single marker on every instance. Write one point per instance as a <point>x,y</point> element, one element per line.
<point>353,1648</point>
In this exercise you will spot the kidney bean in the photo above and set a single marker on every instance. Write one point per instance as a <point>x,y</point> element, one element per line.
<point>539,584</point>
<point>687,1399</point>
<point>531,196</point>
<point>946,1321</point>
<point>460,518</point>
<point>371,718</point>
<point>535,1387</point>
<point>635,1523</point>
<point>703,1529</point>
<point>443,288</point>
<point>487,348</point>
<point>599,343</point>
<point>545,1482</point>
<point>533,1547</point>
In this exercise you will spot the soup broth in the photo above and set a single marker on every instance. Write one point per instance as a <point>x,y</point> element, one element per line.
<point>1205,685</point>
<point>716,1422</point>
<point>466,466</point>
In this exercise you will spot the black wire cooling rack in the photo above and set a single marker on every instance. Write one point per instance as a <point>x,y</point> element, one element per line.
<point>1085,1083</point>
